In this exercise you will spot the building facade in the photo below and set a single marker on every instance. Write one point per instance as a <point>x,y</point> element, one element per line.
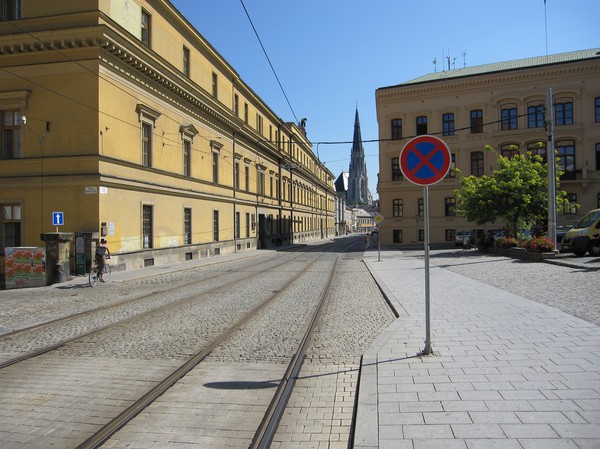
<point>502,105</point>
<point>123,117</point>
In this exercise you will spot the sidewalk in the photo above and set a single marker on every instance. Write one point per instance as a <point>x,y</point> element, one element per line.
<point>506,373</point>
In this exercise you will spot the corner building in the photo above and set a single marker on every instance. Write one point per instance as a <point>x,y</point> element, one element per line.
<point>123,117</point>
<point>501,105</point>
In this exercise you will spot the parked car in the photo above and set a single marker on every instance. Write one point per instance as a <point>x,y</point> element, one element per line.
<point>461,236</point>
<point>584,236</point>
<point>495,234</point>
<point>561,231</point>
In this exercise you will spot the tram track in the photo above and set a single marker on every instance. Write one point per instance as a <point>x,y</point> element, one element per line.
<point>301,267</point>
<point>112,308</point>
<point>272,416</point>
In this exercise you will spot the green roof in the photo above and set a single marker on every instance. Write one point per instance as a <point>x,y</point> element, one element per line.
<point>505,66</point>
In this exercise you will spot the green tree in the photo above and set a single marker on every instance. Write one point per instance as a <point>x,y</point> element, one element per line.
<point>517,193</point>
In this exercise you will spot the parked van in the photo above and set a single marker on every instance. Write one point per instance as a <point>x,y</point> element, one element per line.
<point>584,236</point>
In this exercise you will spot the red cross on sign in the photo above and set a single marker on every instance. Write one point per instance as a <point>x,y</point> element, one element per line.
<point>425,160</point>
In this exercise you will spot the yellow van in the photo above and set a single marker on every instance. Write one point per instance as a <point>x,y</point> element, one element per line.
<point>584,236</point>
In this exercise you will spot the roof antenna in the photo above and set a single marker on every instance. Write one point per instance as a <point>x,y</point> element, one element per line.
<point>546,26</point>
<point>464,55</point>
<point>435,64</point>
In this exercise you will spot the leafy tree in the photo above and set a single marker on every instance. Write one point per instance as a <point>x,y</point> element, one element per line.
<point>517,192</point>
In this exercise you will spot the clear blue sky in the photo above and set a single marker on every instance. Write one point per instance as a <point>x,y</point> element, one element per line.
<point>331,55</point>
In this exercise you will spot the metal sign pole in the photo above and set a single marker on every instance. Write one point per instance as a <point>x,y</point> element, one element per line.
<point>551,159</point>
<point>427,350</point>
<point>425,160</point>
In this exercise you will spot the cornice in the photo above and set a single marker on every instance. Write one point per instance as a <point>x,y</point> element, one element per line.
<point>132,60</point>
<point>489,81</point>
<point>96,38</point>
<point>187,93</point>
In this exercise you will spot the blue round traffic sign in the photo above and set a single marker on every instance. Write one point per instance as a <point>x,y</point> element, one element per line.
<point>425,160</point>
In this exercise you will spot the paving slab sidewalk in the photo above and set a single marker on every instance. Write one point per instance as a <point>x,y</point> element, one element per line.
<point>506,373</point>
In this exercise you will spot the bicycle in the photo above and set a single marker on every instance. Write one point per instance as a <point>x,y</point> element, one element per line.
<point>103,277</point>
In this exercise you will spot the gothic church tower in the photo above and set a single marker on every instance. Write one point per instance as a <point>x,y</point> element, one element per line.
<point>358,182</point>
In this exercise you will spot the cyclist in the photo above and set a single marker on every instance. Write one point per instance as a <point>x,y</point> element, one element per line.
<point>102,252</point>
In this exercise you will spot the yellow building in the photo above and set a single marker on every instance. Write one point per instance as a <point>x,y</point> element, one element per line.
<point>120,115</point>
<point>501,105</point>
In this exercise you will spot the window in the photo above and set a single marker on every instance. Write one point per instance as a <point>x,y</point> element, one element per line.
<point>565,154</point>
<point>236,105</point>
<point>259,123</point>
<point>11,10</point>
<point>215,225</point>
<point>476,121</point>
<point>396,235</point>
<point>260,180</point>
<point>571,209</point>
<point>397,208</point>
<point>563,112</point>
<point>237,226</point>
<point>509,150</point>
<point>187,157</point>
<point>147,226</point>
<point>452,170</point>
<point>215,85</point>
<point>421,125</point>
<point>215,166</point>
<point>597,109</point>
<point>396,172</point>
<point>246,112</point>
<point>477,163</point>
<point>396,129</point>
<point>187,226</point>
<point>509,117</point>
<point>247,224</point>
<point>535,115</point>
<point>146,144</point>
<point>535,148</point>
<point>146,28</point>
<point>421,207</point>
<point>186,61</point>
<point>187,135</point>
<point>236,175</point>
<point>450,235</point>
<point>598,156</point>
<point>10,225</point>
<point>10,135</point>
<point>448,124</point>
<point>147,117</point>
<point>247,178</point>
<point>450,207</point>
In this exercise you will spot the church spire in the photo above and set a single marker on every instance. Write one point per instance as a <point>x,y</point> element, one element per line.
<point>358,190</point>
<point>357,147</point>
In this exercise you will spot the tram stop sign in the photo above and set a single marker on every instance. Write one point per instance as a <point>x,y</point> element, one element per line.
<point>425,160</point>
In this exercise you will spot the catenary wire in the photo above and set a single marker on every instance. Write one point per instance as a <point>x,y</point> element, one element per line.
<point>340,142</point>
<point>269,60</point>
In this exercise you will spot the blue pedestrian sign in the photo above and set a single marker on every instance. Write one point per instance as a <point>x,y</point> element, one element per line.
<point>58,218</point>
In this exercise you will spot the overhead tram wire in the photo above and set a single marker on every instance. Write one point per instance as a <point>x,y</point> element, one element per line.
<point>166,115</point>
<point>85,105</point>
<point>269,60</point>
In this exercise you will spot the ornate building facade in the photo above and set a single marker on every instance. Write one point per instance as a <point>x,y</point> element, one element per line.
<point>502,105</point>
<point>123,117</point>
